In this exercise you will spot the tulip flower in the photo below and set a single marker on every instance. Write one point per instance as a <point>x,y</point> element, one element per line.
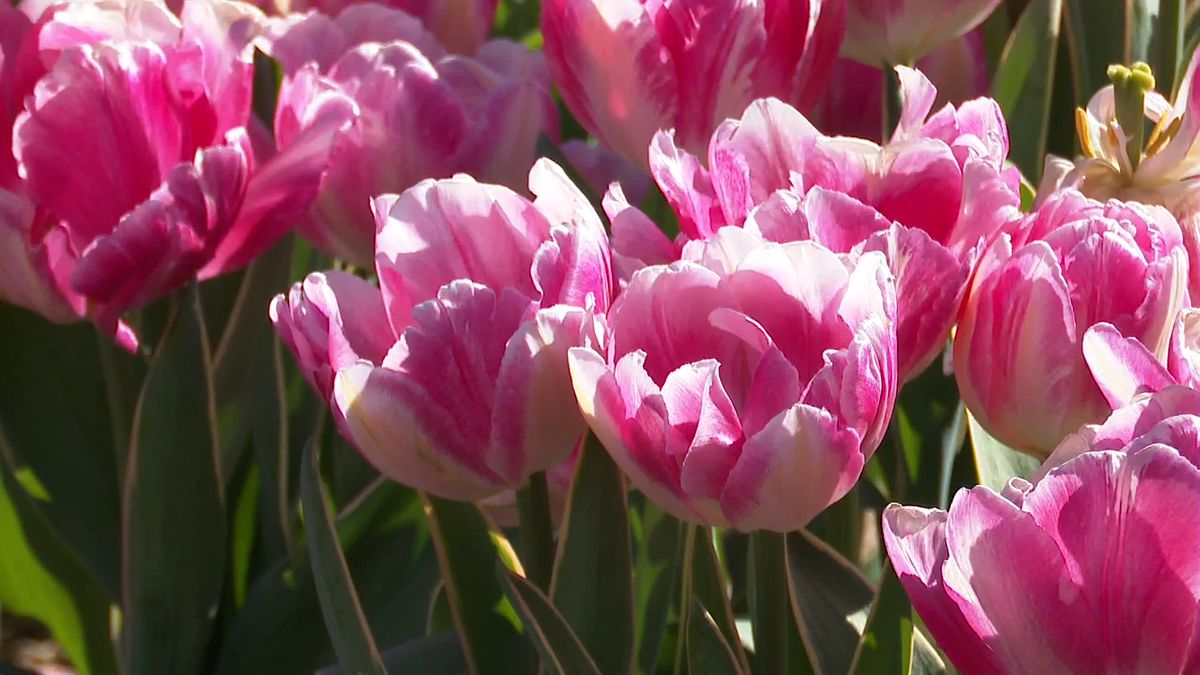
<point>1095,568</point>
<point>748,383</point>
<point>463,26</point>
<point>451,375</point>
<point>926,199</point>
<point>417,114</point>
<point>899,32</point>
<point>135,164</point>
<point>628,68</point>
<point>1071,264</point>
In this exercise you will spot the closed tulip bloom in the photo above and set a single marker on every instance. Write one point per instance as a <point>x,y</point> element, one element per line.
<point>747,384</point>
<point>451,376</point>
<point>1071,264</point>
<point>134,152</point>
<point>418,113</point>
<point>1093,569</point>
<point>927,198</point>
<point>628,68</point>
<point>899,32</point>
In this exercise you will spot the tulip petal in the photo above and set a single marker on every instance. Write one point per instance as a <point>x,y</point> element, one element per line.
<point>1122,367</point>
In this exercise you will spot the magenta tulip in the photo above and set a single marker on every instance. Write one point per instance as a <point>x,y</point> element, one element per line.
<point>1071,264</point>
<point>451,376</point>
<point>1093,569</point>
<point>628,68</point>
<point>418,113</point>
<point>898,32</point>
<point>927,199</point>
<point>748,383</point>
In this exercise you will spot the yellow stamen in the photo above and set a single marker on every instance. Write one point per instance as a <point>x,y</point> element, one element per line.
<point>1158,129</point>
<point>1085,137</point>
<point>1159,143</point>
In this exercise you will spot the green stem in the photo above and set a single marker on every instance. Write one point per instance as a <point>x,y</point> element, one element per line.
<point>769,603</point>
<point>537,530</point>
<point>891,103</point>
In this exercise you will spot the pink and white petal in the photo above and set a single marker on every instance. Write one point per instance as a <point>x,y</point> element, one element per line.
<point>700,410</point>
<point>686,186</point>
<point>501,144</point>
<point>797,465</point>
<point>577,262</point>
<point>535,419</point>
<point>771,138</point>
<point>373,409</point>
<point>636,240</point>
<point>1122,367</point>
<point>1124,523</point>
<point>915,538</point>
<point>35,275</point>
<point>601,168</point>
<point>921,187</point>
<point>781,218</point>
<point>917,95</point>
<point>840,222</point>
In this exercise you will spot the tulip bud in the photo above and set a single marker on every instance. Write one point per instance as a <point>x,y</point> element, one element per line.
<point>899,32</point>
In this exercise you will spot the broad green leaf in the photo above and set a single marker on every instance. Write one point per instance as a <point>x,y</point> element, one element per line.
<point>995,462</point>
<point>41,578</point>
<point>174,514</point>
<point>265,400</point>
<point>593,579</point>
<point>62,423</point>
<point>658,548</point>
<point>433,655</point>
<point>1156,37</point>
<point>830,600</point>
<point>280,628</point>
<point>1095,33</point>
<point>485,619</point>
<point>891,642</point>
<point>352,640</point>
<point>1024,83</point>
<point>709,584</point>
<point>708,652</point>
<point>557,644</point>
<point>924,410</point>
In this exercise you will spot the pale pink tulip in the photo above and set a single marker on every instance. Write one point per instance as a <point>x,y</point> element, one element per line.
<point>1071,264</point>
<point>461,25</point>
<point>134,155</point>
<point>927,199</point>
<point>418,113</point>
<point>748,383</point>
<point>899,32</point>
<point>628,68</point>
<point>451,376</point>
<point>1093,569</point>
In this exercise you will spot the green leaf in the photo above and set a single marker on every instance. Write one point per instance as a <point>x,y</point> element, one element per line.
<point>41,578</point>
<point>486,621</point>
<point>174,516</point>
<point>1024,82</point>
<point>658,547</point>
<point>891,642</point>
<point>593,580</point>
<point>708,652</point>
<point>1096,37</point>
<point>1156,37</point>
<point>352,641</point>
<point>559,647</point>
<point>995,462</point>
<point>708,584</point>
<point>61,423</point>
<point>830,600</point>
<point>433,655</point>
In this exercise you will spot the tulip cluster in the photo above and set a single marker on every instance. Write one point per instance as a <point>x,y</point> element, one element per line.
<point>655,247</point>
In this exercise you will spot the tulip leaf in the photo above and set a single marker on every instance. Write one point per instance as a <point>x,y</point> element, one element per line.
<point>708,652</point>
<point>995,462</point>
<point>280,627</point>
<point>1095,34</point>
<point>62,425</point>
<point>830,600</point>
<point>1024,82</point>
<point>486,622</point>
<point>593,579</point>
<point>1156,37</point>
<point>41,577</point>
<point>891,642</point>
<point>432,655</point>
<point>352,640</point>
<point>559,647</point>
<point>708,584</point>
<point>656,559</point>
<point>174,514</point>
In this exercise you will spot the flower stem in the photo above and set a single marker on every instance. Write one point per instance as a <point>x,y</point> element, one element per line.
<point>537,530</point>
<point>769,603</point>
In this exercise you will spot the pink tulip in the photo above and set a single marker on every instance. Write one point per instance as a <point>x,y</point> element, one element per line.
<point>1093,569</point>
<point>417,114</point>
<point>451,376</point>
<point>135,162</point>
<point>899,32</point>
<point>926,199</point>
<point>1071,264</point>
<point>463,26</point>
<point>628,68</point>
<point>853,105</point>
<point>748,383</point>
